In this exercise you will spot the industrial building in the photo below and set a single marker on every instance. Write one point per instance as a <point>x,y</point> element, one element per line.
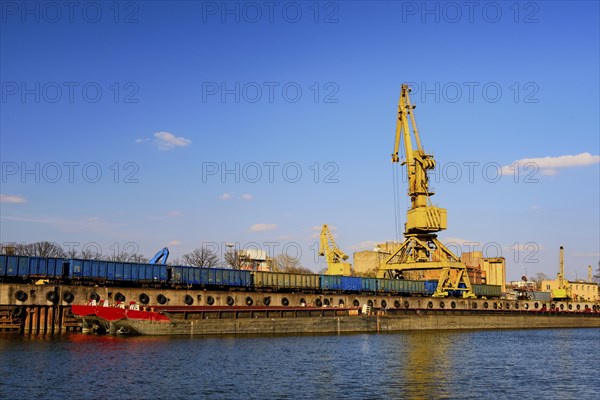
<point>254,260</point>
<point>481,270</point>
<point>578,290</point>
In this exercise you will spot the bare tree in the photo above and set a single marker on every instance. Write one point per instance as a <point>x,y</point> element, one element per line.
<point>233,259</point>
<point>201,257</point>
<point>597,276</point>
<point>286,263</point>
<point>39,249</point>
<point>137,258</point>
<point>126,257</point>
<point>71,254</point>
<point>174,261</point>
<point>89,254</point>
<point>538,277</point>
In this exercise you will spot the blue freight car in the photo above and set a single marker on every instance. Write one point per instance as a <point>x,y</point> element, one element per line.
<point>3,265</point>
<point>351,283</point>
<point>430,287</point>
<point>341,283</point>
<point>331,282</point>
<point>226,277</point>
<point>45,267</point>
<point>98,270</point>
<point>14,266</point>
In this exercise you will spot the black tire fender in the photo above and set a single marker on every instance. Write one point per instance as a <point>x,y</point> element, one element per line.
<point>21,296</point>
<point>144,299</point>
<point>161,299</point>
<point>52,296</point>
<point>68,297</point>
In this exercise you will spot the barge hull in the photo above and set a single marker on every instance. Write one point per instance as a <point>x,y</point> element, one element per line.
<point>416,321</point>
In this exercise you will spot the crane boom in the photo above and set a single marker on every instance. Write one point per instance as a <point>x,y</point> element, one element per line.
<point>421,250</point>
<point>334,257</point>
<point>161,255</point>
<point>422,216</point>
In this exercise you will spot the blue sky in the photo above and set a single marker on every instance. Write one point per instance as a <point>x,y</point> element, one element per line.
<point>160,98</point>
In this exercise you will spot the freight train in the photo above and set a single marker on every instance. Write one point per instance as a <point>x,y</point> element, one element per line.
<point>26,269</point>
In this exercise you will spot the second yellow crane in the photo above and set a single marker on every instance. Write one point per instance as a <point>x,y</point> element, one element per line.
<point>336,258</point>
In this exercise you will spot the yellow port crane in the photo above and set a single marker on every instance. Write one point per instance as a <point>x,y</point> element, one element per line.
<point>563,292</point>
<point>421,250</point>
<point>335,258</point>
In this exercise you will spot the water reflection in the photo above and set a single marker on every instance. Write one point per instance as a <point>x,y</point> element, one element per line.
<point>413,365</point>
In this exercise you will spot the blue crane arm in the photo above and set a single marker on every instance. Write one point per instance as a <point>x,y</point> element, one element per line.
<point>163,254</point>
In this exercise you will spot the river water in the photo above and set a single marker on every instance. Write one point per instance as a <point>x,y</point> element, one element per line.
<point>541,364</point>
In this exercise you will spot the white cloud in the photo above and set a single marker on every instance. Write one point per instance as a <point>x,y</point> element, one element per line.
<point>247,196</point>
<point>168,141</point>
<point>225,196</point>
<point>175,214</point>
<point>263,227</point>
<point>551,165</point>
<point>174,243</point>
<point>141,140</point>
<point>12,199</point>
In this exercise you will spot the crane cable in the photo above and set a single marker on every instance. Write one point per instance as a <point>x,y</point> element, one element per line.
<point>396,200</point>
<point>396,180</point>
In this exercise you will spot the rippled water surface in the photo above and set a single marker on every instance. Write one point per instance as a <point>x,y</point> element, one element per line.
<point>553,363</point>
